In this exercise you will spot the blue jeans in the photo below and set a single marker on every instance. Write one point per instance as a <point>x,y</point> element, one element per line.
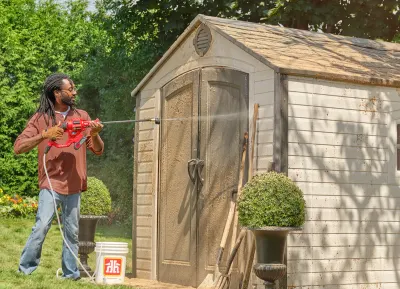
<point>70,205</point>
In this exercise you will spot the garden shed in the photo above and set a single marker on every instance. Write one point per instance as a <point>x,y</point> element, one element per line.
<point>329,117</point>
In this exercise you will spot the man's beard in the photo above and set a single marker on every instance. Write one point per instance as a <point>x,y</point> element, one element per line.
<point>68,101</point>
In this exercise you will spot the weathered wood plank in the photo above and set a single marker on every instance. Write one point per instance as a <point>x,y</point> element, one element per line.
<point>144,189</point>
<point>326,113</point>
<point>265,111</point>
<point>296,149</point>
<point>147,103</point>
<point>146,135</point>
<point>262,75</point>
<point>262,163</point>
<point>265,85</point>
<point>147,93</point>
<point>265,137</point>
<point>351,212</point>
<point>336,126</point>
<point>145,200</point>
<point>144,243</point>
<point>145,157</point>
<point>146,113</point>
<point>337,164</point>
<point>326,138</point>
<point>265,124</point>
<point>143,232</point>
<point>343,240</point>
<point>144,210</point>
<point>371,104</point>
<point>145,146</point>
<point>359,280</point>
<point>144,254</point>
<point>351,202</point>
<point>145,167</point>
<point>143,273</point>
<point>338,188</point>
<point>265,98</point>
<point>350,227</point>
<point>147,125</point>
<point>349,252</point>
<point>344,177</point>
<point>325,87</point>
<point>264,149</point>
<point>144,221</point>
<point>144,178</point>
<point>343,265</point>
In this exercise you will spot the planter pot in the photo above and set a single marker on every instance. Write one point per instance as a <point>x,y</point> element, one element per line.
<point>270,250</point>
<point>87,229</point>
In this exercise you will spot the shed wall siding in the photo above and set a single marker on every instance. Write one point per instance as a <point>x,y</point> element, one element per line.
<point>342,154</point>
<point>261,91</point>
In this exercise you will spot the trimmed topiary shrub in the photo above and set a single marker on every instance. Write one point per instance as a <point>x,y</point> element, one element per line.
<point>271,199</point>
<point>96,200</point>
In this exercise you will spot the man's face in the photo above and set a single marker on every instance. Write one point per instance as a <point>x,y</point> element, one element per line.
<point>68,92</point>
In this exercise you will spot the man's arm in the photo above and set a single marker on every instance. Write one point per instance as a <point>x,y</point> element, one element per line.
<point>26,143</point>
<point>96,144</point>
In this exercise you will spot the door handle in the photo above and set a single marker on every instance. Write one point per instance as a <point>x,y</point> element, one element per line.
<point>199,169</point>
<point>192,169</point>
<point>195,168</point>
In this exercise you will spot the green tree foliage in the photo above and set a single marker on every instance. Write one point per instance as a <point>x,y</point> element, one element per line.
<point>36,38</point>
<point>370,19</point>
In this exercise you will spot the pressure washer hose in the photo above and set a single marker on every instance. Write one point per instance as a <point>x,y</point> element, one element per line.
<point>91,277</point>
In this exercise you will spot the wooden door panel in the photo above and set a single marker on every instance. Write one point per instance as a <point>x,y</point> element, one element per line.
<point>177,198</point>
<point>224,119</point>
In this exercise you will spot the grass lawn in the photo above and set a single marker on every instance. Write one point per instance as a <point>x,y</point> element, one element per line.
<point>13,235</point>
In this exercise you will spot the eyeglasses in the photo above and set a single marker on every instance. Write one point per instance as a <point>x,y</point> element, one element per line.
<point>71,90</point>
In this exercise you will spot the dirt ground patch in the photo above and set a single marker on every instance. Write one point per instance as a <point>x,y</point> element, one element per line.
<point>151,284</point>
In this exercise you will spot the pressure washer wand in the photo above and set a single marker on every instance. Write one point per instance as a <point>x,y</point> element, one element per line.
<point>156,120</point>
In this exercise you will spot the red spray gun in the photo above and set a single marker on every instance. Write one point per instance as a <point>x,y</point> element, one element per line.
<point>75,127</point>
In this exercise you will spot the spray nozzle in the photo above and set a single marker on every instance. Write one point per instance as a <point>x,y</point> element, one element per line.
<point>156,120</point>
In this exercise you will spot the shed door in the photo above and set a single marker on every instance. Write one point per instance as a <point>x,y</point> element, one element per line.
<point>224,120</point>
<point>177,200</point>
<point>192,215</point>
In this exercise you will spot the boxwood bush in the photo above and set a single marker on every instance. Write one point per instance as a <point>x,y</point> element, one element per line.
<point>271,199</point>
<point>96,200</point>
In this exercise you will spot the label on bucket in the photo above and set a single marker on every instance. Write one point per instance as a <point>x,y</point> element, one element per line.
<point>112,266</point>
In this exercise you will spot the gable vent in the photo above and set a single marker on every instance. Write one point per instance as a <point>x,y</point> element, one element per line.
<point>202,40</point>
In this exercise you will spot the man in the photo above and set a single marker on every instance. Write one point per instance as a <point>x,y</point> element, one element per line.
<point>66,169</point>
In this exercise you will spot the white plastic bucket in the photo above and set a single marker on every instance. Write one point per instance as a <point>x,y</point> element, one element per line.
<point>110,262</point>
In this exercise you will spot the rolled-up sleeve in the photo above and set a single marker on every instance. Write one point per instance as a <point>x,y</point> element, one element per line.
<point>30,130</point>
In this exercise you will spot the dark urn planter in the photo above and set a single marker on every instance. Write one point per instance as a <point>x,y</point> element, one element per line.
<point>270,250</point>
<point>87,229</point>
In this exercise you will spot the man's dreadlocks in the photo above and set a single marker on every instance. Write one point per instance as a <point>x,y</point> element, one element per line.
<point>47,98</point>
